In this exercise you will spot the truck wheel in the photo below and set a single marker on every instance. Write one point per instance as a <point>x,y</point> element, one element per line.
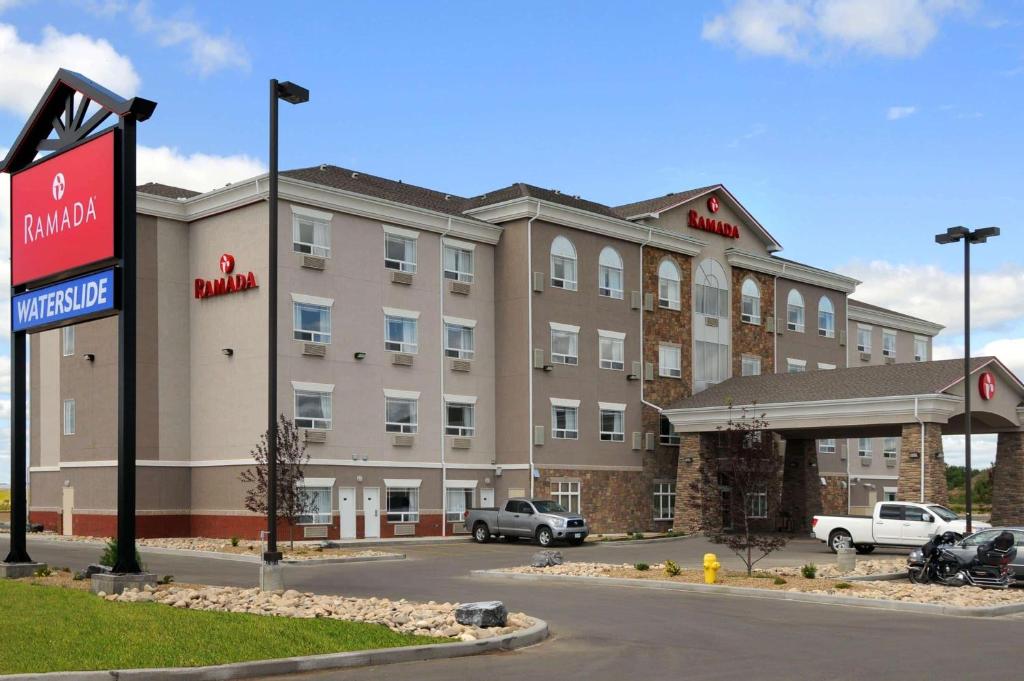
<point>481,534</point>
<point>839,538</point>
<point>544,537</point>
<point>865,549</point>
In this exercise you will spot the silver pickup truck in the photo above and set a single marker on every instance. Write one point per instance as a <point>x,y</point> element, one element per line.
<point>541,519</point>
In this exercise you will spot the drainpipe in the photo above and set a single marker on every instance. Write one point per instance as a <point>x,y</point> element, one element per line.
<point>444,467</point>
<point>529,330</point>
<point>921,452</point>
<point>643,357</point>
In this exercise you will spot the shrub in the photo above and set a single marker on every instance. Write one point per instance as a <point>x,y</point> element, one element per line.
<point>44,572</point>
<point>809,571</point>
<point>78,576</point>
<point>166,579</point>
<point>844,585</point>
<point>778,581</point>
<point>109,557</point>
<point>642,567</point>
<point>638,535</point>
<point>672,569</point>
<point>234,541</point>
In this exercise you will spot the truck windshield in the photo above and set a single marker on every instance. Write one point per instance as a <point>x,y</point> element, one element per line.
<point>548,507</point>
<point>943,513</point>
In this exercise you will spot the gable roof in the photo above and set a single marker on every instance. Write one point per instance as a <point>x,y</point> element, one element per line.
<point>877,308</point>
<point>521,190</point>
<point>166,191</point>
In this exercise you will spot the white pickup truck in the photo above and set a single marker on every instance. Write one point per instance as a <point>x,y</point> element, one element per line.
<point>894,523</point>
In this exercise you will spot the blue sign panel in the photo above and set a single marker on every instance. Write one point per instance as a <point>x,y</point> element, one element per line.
<point>63,303</point>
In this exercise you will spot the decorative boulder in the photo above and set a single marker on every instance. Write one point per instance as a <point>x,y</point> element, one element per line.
<point>482,614</point>
<point>546,559</point>
<point>94,569</point>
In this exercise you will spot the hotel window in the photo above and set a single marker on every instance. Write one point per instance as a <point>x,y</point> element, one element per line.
<point>313,409</point>
<point>567,495</point>
<point>68,340</point>
<point>795,311</point>
<point>458,341</point>
<point>564,425</point>
<point>563,264</point>
<point>750,365</point>
<point>664,500</point>
<point>864,338</point>
<point>564,344</point>
<point>458,263</point>
<point>711,292</point>
<point>311,234</point>
<point>670,361</point>
<point>403,504</point>
<point>318,498</point>
<point>890,446</point>
<point>69,417</point>
<point>457,500</point>
<point>668,285</point>
<point>757,505</point>
<point>888,494</point>
<point>795,366</point>
<point>750,305</point>
<point>827,446</point>
<point>400,253</point>
<point>611,350</point>
<point>609,274</point>
<point>888,343</point>
<point>312,323</point>
<point>826,318</point>
<point>826,366</point>
<point>400,332</point>
<point>712,362</point>
<point>459,419</point>
<point>401,415</point>
<point>864,447</point>
<point>920,349</point>
<point>669,436</point>
<point>613,418</point>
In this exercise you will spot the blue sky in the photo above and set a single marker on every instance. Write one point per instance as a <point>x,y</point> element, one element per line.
<point>853,129</point>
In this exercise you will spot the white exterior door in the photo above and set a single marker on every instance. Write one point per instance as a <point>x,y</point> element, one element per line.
<point>487,497</point>
<point>371,512</point>
<point>347,511</point>
<point>67,511</point>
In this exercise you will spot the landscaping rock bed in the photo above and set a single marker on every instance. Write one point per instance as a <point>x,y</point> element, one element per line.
<point>864,568</point>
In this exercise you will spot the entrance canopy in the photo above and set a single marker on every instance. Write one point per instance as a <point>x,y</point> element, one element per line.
<point>870,401</point>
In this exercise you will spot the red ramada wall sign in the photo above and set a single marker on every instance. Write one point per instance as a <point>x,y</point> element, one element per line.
<point>713,204</point>
<point>987,386</point>
<point>711,225</point>
<point>230,283</point>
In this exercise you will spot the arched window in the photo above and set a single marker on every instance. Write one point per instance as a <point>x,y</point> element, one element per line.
<point>795,311</point>
<point>563,264</point>
<point>826,318</point>
<point>668,285</point>
<point>609,275</point>
<point>750,306</point>
<point>712,290</point>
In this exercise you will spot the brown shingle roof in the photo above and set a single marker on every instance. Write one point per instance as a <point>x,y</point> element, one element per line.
<point>166,191</point>
<point>523,190</point>
<point>877,308</point>
<point>659,203</point>
<point>884,380</point>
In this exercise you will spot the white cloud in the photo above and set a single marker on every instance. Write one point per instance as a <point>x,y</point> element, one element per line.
<point>209,53</point>
<point>797,29</point>
<point>29,67</point>
<point>1010,352</point>
<point>925,291</point>
<point>983,450</point>
<point>200,172</point>
<point>7,4</point>
<point>897,112</point>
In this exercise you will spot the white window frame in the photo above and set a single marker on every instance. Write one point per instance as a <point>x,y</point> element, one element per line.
<point>403,345</point>
<point>864,452</point>
<point>829,329</point>
<point>667,286</point>
<point>920,341</point>
<point>309,390</point>
<point>615,340</point>
<point>68,341</point>
<point>319,221</point>
<point>711,283</point>
<point>70,417</point>
<point>795,313</point>
<point>410,516</point>
<point>890,447</point>
<point>461,255</point>
<point>408,263</point>
<point>399,427</point>
<point>319,486</point>
<point>464,430</point>
<point>301,334</point>
<point>465,331</point>
<point>750,302</point>
<point>670,438</point>
<point>861,345</point>
<point>800,365</point>
<point>716,371</point>
<point>664,369</point>
<point>664,500</point>
<point>887,491</point>
<point>750,361</point>
<point>826,366</point>
<point>827,445</point>
<point>572,333</point>
<point>565,493</point>
<point>618,412</point>
<point>604,268</point>
<point>889,335</point>
<point>465,496</point>
<point>569,266</point>
<point>565,433</point>
<point>757,505</point>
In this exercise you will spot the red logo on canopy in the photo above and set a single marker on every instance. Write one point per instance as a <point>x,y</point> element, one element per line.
<point>713,204</point>
<point>227,263</point>
<point>987,386</point>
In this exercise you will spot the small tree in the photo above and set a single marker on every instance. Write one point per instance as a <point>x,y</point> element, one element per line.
<point>292,500</point>
<point>750,463</point>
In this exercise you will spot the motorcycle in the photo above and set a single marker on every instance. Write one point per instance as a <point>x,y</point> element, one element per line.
<point>988,568</point>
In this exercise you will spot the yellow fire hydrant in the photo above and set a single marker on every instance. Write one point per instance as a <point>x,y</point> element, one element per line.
<point>711,567</point>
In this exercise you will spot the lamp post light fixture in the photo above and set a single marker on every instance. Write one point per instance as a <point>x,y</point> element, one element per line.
<point>293,94</point>
<point>978,236</point>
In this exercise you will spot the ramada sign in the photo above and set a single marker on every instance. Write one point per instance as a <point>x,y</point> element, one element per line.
<point>229,283</point>
<point>62,212</point>
<point>711,225</point>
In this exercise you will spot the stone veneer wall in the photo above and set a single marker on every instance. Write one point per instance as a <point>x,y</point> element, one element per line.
<point>908,486</point>
<point>611,501</point>
<point>835,499</point>
<point>698,447</point>
<point>747,338</point>
<point>801,486</point>
<point>1008,481</point>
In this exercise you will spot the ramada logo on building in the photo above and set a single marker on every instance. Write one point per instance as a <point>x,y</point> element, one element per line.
<point>230,283</point>
<point>61,217</point>
<point>711,225</point>
<point>987,386</point>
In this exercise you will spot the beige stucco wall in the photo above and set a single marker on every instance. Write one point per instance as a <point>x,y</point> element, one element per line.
<point>48,427</point>
<point>808,345</point>
<point>513,364</point>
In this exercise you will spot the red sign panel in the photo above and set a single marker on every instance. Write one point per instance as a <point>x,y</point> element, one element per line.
<point>62,212</point>
<point>230,283</point>
<point>987,386</point>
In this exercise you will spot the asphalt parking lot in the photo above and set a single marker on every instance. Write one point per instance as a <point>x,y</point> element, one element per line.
<point>616,633</point>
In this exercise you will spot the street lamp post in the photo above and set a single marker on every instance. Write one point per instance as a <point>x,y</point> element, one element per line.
<point>978,236</point>
<point>293,94</point>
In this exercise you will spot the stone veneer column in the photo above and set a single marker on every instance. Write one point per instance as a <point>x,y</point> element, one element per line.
<point>801,486</point>
<point>835,499</point>
<point>1008,480</point>
<point>909,484</point>
<point>696,447</point>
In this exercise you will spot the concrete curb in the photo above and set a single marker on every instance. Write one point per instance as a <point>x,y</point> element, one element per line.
<point>634,542</point>
<point>796,596</point>
<point>293,665</point>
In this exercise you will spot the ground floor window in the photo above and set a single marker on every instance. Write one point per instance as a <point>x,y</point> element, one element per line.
<point>757,505</point>
<point>318,511</point>
<point>567,495</point>
<point>827,446</point>
<point>458,500</point>
<point>669,436</point>
<point>664,500</point>
<point>403,504</point>
<point>889,494</point>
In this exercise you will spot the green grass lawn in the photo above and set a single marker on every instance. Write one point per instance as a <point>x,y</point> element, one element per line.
<point>48,629</point>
